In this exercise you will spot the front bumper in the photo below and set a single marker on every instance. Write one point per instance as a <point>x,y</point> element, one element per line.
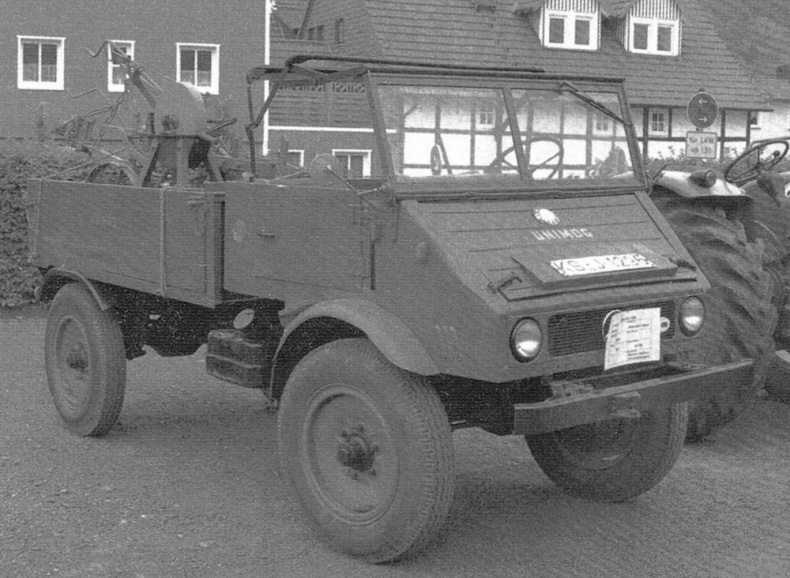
<point>625,395</point>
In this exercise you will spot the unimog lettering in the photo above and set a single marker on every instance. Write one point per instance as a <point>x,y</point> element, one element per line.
<point>560,234</point>
<point>380,305</point>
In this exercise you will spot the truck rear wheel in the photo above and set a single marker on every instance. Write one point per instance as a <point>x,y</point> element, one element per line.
<point>613,460</point>
<point>368,451</point>
<point>85,362</point>
<point>739,320</point>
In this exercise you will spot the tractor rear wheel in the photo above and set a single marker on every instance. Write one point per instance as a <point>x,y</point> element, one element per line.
<point>740,318</point>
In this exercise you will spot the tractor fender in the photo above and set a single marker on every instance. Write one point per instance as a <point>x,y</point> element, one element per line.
<point>680,183</point>
<point>350,317</point>
<point>57,277</point>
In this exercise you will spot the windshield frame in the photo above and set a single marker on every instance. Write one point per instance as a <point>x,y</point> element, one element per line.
<point>560,84</point>
<point>375,74</point>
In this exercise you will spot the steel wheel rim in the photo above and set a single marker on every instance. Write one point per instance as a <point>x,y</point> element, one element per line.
<point>348,454</point>
<point>73,366</point>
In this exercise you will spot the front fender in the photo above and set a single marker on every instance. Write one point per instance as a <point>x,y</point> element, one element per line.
<point>388,333</point>
<point>679,183</point>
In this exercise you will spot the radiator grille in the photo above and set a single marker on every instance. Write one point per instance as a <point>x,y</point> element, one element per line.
<point>579,332</point>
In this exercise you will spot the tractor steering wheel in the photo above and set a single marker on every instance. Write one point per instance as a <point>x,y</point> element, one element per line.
<point>501,158</point>
<point>749,163</point>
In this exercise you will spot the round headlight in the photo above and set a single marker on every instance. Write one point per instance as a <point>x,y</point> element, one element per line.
<point>692,316</point>
<point>244,319</point>
<point>526,340</point>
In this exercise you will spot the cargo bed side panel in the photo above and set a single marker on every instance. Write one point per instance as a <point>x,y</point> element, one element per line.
<point>298,242</point>
<point>161,241</point>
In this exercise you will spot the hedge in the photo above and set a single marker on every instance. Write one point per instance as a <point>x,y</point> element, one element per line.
<point>20,160</point>
<point>680,162</point>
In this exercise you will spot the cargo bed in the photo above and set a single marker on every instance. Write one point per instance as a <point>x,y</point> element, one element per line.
<point>165,241</point>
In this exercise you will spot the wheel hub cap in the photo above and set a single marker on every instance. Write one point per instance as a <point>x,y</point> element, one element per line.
<point>349,454</point>
<point>356,451</point>
<point>77,358</point>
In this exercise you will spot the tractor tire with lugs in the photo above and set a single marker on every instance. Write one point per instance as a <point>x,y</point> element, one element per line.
<point>740,318</point>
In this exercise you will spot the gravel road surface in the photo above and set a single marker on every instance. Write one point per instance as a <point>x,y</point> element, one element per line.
<point>187,485</point>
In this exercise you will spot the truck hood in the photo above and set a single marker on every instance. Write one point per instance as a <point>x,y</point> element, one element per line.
<point>532,247</point>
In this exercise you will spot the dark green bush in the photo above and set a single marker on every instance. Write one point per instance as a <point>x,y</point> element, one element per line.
<point>20,160</point>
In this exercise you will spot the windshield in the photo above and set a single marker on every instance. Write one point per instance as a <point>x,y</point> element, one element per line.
<point>558,133</point>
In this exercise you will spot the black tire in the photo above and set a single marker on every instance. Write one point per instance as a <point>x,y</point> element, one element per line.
<point>767,218</point>
<point>740,318</point>
<point>777,384</point>
<point>85,362</point>
<point>613,460</point>
<point>368,451</point>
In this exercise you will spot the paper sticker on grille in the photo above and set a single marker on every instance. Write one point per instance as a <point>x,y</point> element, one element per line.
<point>634,337</point>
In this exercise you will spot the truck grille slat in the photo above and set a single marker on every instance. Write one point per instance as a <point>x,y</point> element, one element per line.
<point>581,331</point>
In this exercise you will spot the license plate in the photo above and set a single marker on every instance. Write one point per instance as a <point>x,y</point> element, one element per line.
<point>601,264</point>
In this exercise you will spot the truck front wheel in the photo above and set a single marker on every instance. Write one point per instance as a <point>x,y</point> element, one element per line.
<point>613,460</point>
<point>85,362</point>
<point>367,448</point>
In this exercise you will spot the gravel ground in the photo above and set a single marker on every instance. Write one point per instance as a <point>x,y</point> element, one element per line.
<point>187,485</point>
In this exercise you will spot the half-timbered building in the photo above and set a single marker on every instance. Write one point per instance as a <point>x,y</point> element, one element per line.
<point>667,50</point>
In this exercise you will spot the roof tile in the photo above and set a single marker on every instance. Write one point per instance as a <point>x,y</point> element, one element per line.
<point>454,32</point>
<point>757,32</point>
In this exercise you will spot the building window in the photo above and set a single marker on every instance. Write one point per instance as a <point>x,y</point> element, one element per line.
<point>557,30</point>
<point>198,65</point>
<point>316,33</point>
<point>640,36</point>
<point>116,71</point>
<point>571,30</point>
<point>40,63</point>
<point>653,36</point>
<point>601,124</point>
<point>355,163</point>
<point>295,158</point>
<point>664,37</point>
<point>340,31</point>
<point>659,122</point>
<point>486,114</point>
<point>582,37</point>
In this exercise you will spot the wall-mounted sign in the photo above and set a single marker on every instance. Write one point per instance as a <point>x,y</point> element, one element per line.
<point>702,110</point>
<point>701,145</point>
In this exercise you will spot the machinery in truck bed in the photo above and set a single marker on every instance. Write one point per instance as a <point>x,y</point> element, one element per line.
<point>493,262</point>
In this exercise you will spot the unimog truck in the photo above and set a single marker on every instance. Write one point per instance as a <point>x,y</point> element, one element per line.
<point>491,258</point>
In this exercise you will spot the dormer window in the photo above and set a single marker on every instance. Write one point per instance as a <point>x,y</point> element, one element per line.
<point>653,36</point>
<point>570,29</point>
<point>570,24</point>
<point>647,26</point>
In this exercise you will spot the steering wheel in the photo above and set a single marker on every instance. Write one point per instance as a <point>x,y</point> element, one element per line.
<point>753,165</point>
<point>501,158</point>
